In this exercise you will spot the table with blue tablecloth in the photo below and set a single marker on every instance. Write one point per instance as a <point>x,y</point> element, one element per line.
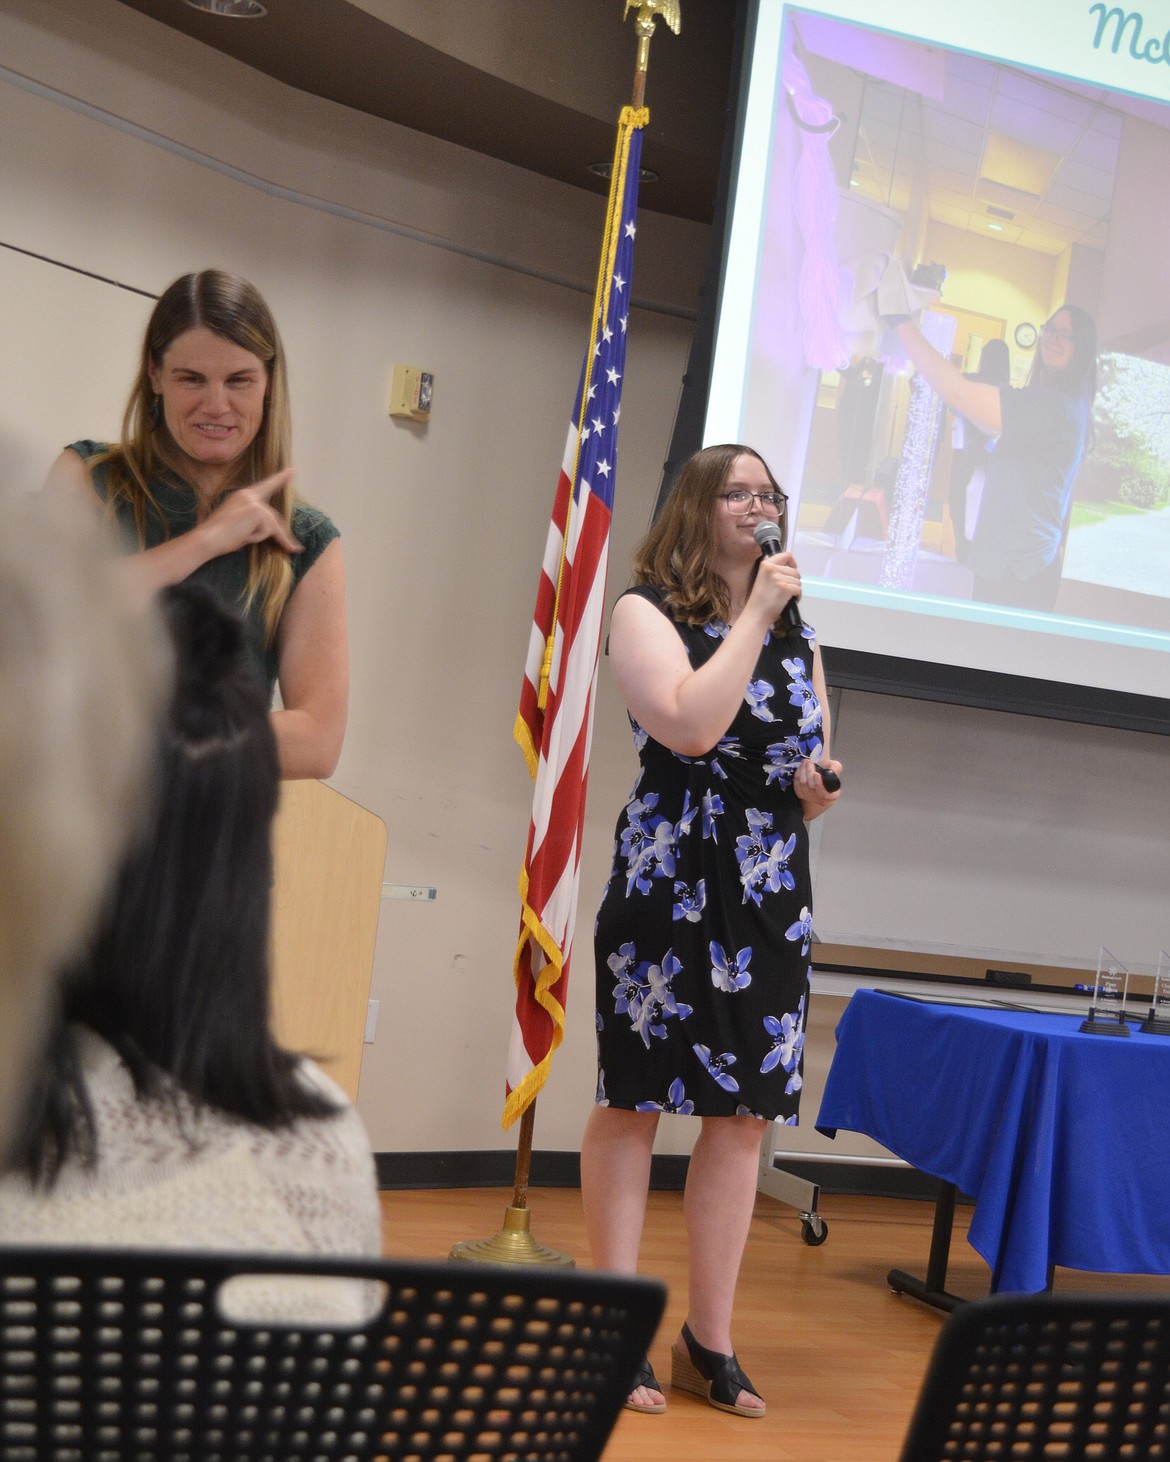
<point>1061,1138</point>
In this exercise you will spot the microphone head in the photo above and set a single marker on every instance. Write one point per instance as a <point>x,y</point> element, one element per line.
<point>767,535</point>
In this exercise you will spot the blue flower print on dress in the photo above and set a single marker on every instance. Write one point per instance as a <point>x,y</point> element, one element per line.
<point>643,991</point>
<point>787,1035</point>
<point>716,629</point>
<point>763,858</point>
<point>629,990</point>
<point>757,696</point>
<point>728,973</point>
<point>802,694</point>
<point>716,1066</point>
<point>642,821</point>
<point>600,1099</point>
<point>658,1004</point>
<point>689,903</point>
<point>783,759</point>
<point>778,875</point>
<point>676,1101</point>
<point>801,929</point>
<point>648,845</point>
<point>690,810</point>
<point>712,808</point>
<point>728,746</point>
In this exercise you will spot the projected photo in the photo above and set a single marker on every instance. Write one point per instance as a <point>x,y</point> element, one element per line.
<point>980,199</point>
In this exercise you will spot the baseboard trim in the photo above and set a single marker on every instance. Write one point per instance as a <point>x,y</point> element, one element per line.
<point>497,1169</point>
<point>474,1169</point>
<point>668,1172</point>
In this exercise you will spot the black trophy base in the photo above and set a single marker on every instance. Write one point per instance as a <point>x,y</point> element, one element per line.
<point>1109,1025</point>
<point>1155,1025</point>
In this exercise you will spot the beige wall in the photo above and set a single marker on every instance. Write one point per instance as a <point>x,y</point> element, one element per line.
<point>443,526</point>
<point>133,153</point>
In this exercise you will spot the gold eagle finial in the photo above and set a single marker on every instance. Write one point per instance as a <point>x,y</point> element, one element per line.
<point>645,18</point>
<point>648,9</point>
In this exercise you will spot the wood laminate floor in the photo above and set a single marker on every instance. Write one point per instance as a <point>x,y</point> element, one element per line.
<point>837,1355</point>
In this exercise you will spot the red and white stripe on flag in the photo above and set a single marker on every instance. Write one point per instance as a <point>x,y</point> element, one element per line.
<point>555,737</point>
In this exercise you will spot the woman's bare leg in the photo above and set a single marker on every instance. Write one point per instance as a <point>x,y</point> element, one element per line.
<point>720,1199</point>
<point>615,1180</point>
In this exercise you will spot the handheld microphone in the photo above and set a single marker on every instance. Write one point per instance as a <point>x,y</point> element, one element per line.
<point>767,536</point>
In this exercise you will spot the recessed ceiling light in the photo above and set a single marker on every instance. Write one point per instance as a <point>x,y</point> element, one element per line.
<point>230,9</point>
<point>605,170</point>
<point>996,227</point>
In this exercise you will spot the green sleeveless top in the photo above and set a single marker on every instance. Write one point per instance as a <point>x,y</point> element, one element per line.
<point>226,576</point>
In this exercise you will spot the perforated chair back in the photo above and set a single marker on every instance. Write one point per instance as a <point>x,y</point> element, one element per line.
<point>1020,1378</point>
<point>125,1356</point>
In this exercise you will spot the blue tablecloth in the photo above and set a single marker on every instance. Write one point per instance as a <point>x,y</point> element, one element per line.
<point>1062,1139</point>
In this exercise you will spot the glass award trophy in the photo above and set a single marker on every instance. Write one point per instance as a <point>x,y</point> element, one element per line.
<point>1107,1013</point>
<point>1158,1020</point>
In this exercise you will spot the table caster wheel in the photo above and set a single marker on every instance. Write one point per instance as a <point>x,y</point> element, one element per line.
<point>814,1230</point>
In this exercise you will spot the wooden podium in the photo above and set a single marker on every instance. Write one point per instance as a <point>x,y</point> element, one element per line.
<point>329,857</point>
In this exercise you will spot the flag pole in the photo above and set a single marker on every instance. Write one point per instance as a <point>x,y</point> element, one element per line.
<point>514,1243</point>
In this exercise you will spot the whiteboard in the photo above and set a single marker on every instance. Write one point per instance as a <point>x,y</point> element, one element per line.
<point>986,834</point>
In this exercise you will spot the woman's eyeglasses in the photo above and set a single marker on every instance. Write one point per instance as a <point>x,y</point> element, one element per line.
<point>1053,332</point>
<point>740,501</point>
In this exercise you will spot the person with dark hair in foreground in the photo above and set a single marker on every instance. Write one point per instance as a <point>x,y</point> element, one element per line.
<point>164,1113</point>
<point>702,941</point>
<point>1042,428</point>
<point>200,485</point>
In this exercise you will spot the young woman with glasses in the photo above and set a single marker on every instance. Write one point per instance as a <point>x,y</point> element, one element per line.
<point>703,937</point>
<point>1042,429</point>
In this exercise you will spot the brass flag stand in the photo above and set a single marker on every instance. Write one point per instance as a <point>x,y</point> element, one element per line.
<point>514,1243</point>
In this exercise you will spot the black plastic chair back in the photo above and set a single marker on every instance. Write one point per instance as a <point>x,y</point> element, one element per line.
<point>127,1356</point>
<point>1036,1378</point>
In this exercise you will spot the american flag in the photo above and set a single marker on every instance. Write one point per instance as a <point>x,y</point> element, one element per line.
<point>555,732</point>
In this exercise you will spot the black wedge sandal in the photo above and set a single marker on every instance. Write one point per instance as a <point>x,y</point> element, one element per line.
<point>646,1377</point>
<point>717,1378</point>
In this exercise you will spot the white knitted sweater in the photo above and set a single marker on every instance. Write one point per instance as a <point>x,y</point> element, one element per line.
<point>173,1175</point>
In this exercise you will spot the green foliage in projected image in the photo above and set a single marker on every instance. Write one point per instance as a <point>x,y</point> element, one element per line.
<point>1129,465</point>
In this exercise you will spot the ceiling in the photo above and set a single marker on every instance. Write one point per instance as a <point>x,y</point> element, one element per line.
<point>996,150</point>
<point>538,83</point>
<point>1002,152</point>
<point>989,148</point>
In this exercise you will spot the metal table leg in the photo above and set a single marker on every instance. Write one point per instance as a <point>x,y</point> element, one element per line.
<point>932,1290</point>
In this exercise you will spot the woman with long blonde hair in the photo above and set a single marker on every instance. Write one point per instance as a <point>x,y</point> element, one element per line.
<point>200,484</point>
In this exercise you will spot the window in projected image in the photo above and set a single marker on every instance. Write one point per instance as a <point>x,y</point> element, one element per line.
<point>1005,194</point>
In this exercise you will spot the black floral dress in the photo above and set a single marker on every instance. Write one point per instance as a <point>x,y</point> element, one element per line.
<point>703,936</point>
